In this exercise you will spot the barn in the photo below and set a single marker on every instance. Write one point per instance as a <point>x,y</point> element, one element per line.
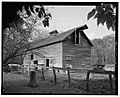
<point>68,49</point>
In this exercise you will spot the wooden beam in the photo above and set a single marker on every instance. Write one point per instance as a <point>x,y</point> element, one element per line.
<point>77,70</point>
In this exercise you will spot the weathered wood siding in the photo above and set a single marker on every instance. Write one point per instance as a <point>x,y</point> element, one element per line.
<point>53,53</point>
<point>80,53</point>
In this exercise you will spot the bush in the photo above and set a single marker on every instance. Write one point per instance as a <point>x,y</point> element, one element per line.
<point>6,69</point>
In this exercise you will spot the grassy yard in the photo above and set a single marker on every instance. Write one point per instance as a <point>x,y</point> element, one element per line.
<point>14,83</point>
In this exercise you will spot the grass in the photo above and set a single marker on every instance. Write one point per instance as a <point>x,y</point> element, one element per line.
<point>14,83</point>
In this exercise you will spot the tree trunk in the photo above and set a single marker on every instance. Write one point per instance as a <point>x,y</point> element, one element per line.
<point>32,82</point>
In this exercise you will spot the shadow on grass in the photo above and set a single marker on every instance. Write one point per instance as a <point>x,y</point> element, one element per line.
<point>77,86</point>
<point>95,86</point>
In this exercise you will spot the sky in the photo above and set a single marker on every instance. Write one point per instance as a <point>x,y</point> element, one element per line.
<point>67,17</point>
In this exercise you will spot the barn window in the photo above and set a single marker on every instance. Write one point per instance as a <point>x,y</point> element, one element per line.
<point>68,58</point>
<point>36,62</point>
<point>47,62</point>
<point>77,37</point>
<point>31,56</point>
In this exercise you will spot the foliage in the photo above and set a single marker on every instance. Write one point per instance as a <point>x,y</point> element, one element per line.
<point>6,69</point>
<point>103,50</point>
<point>29,9</point>
<point>15,41</point>
<point>34,17</point>
<point>17,36</point>
<point>104,13</point>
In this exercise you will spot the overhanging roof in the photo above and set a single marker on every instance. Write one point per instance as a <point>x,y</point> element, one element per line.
<point>58,38</point>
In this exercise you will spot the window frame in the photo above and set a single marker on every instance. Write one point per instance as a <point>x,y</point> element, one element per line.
<point>68,57</point>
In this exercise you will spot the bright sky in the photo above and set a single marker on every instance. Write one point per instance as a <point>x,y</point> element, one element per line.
<point>67,17</point>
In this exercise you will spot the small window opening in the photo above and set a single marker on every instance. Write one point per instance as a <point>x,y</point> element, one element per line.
<point>32,57</point>
<point>68,58</point>
<point>36,62</point>
<point>77,37</point>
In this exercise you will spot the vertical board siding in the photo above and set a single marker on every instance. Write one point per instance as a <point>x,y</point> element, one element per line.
<point>80,53</point>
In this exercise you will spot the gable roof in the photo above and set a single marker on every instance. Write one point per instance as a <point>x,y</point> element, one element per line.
<point>58,38</point>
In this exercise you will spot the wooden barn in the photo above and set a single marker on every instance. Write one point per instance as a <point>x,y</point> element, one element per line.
<point>69,49</point>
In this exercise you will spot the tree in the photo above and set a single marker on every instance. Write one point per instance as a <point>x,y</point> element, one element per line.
<point>15,41</point>
<point>104,13</point>
<point>103,50</point>
<point>13,7</point>
<point>17,35</point>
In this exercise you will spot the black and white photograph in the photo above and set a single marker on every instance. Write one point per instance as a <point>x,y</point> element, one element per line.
<point>59,48</point>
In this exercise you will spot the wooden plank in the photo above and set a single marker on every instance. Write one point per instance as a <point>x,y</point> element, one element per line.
<point>85,69</point>
<point>54,74</point>
<point>102,72</point>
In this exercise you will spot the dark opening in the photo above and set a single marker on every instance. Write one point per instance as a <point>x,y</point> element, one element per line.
<point>36,68</point>
<point>36,62</point>
<point>77,37</point>
<point>32,57</point>
<point>47,62</point>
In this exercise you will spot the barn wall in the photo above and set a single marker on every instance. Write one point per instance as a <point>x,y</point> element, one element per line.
<point>53,53</point>
<point>80,53</point>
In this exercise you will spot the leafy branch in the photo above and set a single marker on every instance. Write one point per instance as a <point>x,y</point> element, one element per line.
<point>104,13</point>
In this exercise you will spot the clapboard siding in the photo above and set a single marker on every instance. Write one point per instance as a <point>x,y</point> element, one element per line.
<point>80,53</point>
<point>51,52</point>
<point>54,52</point>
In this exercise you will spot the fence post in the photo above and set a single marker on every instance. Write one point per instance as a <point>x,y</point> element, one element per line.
<point>87,81</point>
<point>55,80</point>
<point>43,77</point>
<point>68,77</point>
<point>111,87</point>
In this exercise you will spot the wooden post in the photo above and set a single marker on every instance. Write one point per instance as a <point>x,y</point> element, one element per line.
<point>43,77</point>
<point>68,77</point>
<point>87,81</point>
<point>111,87</point>
<point>10,69</point>
<point>55,80</point>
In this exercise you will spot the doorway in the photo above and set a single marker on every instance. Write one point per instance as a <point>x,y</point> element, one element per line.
<point>47,62</point>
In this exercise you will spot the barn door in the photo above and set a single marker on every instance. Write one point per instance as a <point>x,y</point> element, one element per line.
<point>47,62</point>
